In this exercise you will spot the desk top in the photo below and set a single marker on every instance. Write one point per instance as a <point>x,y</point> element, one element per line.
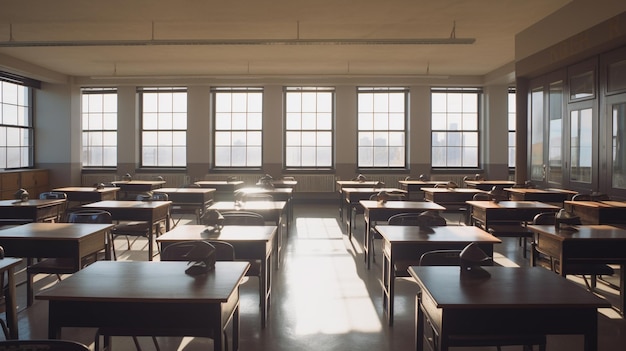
<point>116,204</point>
<point>373,190</point>
<point>423,182</point>
<point>8,262</point>
<point>512,205</point>
<point>533,191</point>
<point>228,233</point>
<point>219,182</point>
<point>248,205</point>
<point>453,190</point>
<point>86,189</point>
<point>475,183</point>
<point>31,203</point>
<point>185,190</point>
<point>138,182</point>
<point>54,231</point>
<point>439,234</point>
<point>597,204</point>
<point>355,183</point>
<point>260,190</point>
<point>508,287</point>
<point>408,205</point>
<point>140,281</point>
<point>581,232</point>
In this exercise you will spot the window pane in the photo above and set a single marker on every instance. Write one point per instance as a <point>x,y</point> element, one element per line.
<point>238,134</point>
<point>165,116</point>
<point>454,127</point>
<point>381,111</point>
<point>309,110</point>
<point>99,126</point>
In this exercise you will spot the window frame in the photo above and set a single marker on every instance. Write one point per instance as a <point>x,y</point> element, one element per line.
<point>163,90</point>
<point>27,128</point>
<point>512,130</point>
<point>215,130</point>
<point>309,89</point>
<point>98,91</point>
<point>405,154</point>
<point>462,90</point>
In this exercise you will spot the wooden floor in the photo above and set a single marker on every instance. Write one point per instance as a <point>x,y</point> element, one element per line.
<point>323,298</point>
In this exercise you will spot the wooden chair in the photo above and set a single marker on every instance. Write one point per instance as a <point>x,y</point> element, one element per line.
<point>452,258</point>
<point>242,218</point>
<point>373,233</point>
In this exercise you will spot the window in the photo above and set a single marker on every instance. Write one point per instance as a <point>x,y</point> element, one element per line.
<point>238,127</point>
<point>164,127</point>
<point>309,127</point>
<point>455,127</point>
<point>16,128</point>
<point>382,116</point>
<point>99,126</point>
<point>511,114</point>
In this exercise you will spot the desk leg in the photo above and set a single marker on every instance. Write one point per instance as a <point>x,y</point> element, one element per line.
<point>419,324</point>
<point>389,277</point>
<point>11,305</point>
<point>235,336</point>
<point>265,290</point>
<point>366,238</point>
<point>622,286</point>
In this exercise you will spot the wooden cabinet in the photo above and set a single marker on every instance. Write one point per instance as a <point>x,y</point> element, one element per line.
<point>35,181</point>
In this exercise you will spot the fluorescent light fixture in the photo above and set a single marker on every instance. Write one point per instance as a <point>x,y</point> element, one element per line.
<point>249,42</point>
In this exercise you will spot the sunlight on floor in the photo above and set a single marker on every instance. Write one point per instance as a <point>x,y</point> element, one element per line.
<point>503,260</point>
<point>330,298</point>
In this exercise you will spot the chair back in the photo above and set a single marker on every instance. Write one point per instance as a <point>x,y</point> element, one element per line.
<point>242,218</point>
<point>424,219</point>
<point>55,195</point>
<point>37,345</point>
<point>600,197</point>
<point>89,216</point>
<point>545,218</point>
<point>582,197</point>
<point>441,258</point>
<point>482,197</point>
<point>152,197</point>
<point>180,251</point>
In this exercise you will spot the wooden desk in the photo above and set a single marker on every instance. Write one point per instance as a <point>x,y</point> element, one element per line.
<point>374,211</point>
<point>489,212</point>
<point>532,194</point>
<point>414,187</point>
<point>488,184</point>
<point>87,194</point>
<point>408,243</point>
<point>340,184</point>
<point>156,298</point>
<point>224,190</point>
<point>131,188</point>
<point>513,301</point>
<point>7,265</point>
<point>452,199</point>
<point>272,211</point>
<point>74,241</point>
<point>148,211</point>
<point>33,210</point>
<point>351,198</point>
<point>188,200</point>
<point>279,194</point>
<point>587,244</point>
<point>250,243</point>
<point>598,212</point>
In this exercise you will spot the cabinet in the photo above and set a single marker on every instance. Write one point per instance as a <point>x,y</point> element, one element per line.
<point>35,181</point>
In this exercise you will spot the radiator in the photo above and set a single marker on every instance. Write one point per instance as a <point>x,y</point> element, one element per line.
<point>248,179</point>
<point>315,183</point>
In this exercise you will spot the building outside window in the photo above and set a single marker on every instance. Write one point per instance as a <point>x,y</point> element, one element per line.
<point>511,115</point>
<point>238,127</point>
<point>16,127</point>
<point>309,120</point>
<point>454,127</point>
<point>99,127</point>
<point>163,127</point>
<point>381,127</point>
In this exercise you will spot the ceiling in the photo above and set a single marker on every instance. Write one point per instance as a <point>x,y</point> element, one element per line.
<point>255,38</point>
